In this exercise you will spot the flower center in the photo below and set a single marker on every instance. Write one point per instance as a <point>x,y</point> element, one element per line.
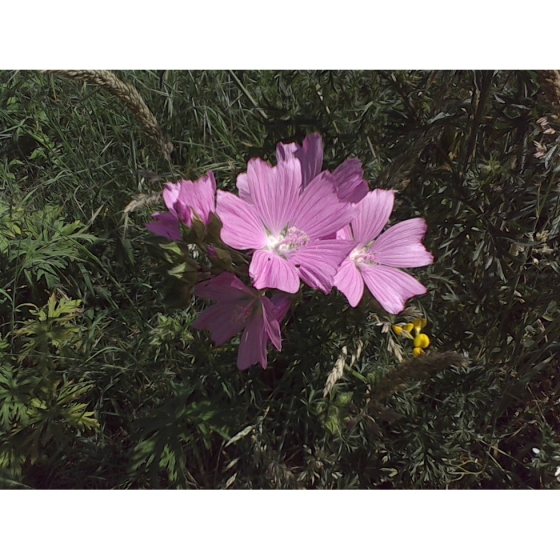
<point>287,241</point>
<point>363,256</point>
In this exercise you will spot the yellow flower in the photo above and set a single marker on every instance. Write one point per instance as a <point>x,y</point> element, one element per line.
<point>418,325</point>
<point>421,341</point>
<point>403,330</point>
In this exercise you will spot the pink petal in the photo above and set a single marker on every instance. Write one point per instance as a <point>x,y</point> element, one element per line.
<point>372,214</point>
<point>349,281</point>
<point>311,157</point>
<point>243,188</point>
<point>274,191</point>
<point>391,287</point>
<point>401,245</point>
<point>166,225</point>
<point>345,233</point>
<point>170,195</point>
<point>199,196</point>
<point>282,303</point>
<point>319,261</point>
<point>349,177</point>
<point>319,212</point>
<point>252,347</point>
<point>242,228</point>
<point>269,270</point>
<point>223,288</point>
<point>224,320</point>
<point>271,322</point>
<point>285,151</point>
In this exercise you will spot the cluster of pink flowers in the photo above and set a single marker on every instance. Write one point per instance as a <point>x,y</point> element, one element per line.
<point>300,224</point>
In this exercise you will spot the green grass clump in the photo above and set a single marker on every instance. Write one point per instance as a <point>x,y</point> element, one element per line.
<point>103,383</point>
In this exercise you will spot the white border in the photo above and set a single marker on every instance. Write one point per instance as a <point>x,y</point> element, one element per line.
<point>251,34</point>
<point>279,524</point>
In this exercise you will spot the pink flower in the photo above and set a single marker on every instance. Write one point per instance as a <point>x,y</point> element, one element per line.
<point>310,155</point>
<point>287,226</point>
<point>348,176</point>
<point>185,200</point>
<point>373,261</point>
<point>240,308</point>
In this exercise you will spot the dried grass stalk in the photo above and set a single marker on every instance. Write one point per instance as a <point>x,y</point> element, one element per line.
<point>129,95</point>
<point>141,201</point>
<point>338,370</point>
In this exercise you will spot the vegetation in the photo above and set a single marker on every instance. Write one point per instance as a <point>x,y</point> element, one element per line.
<point>103,383</point>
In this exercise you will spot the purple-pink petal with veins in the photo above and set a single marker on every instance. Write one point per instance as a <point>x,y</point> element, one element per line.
<point>243,188</point>
<point>271,322</point>
<point>198,196</point>
<point>282,302</point>
<point>349,177</point>
<point>269,270</point>
<point>319,212</point>
<point>372,214</point>
<point>318,262</point>
<point>345,233</point>
<point>274,191</point>
<point>223,288</point>
<point>311,157</point>
<point>390,287</point>
<point>224,320</point>
<point>170,195</point>
<point>349,281</point>
<point>285,151</point>
<point>252,346</point>
<point>401,245</point>
<point>241,226</point>
<point>165,225</point>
